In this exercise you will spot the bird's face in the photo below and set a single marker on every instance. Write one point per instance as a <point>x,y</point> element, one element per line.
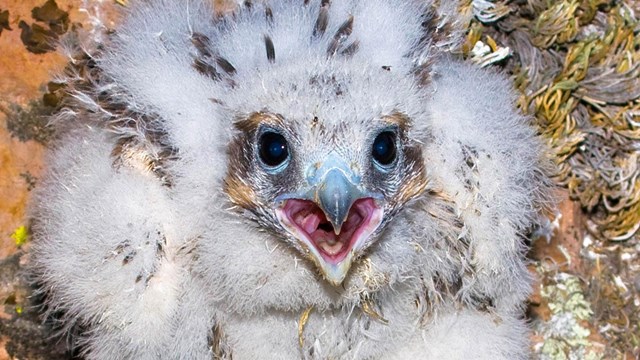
<point>326,186</point>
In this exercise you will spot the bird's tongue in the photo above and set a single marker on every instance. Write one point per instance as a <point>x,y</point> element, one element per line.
<point>311,220</point>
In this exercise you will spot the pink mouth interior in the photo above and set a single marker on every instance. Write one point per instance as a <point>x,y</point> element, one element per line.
<point>311,221</point>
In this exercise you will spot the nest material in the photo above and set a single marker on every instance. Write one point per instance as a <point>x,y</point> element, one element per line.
<point>577,66</point>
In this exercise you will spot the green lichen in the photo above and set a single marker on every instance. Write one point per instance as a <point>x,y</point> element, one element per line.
<point>565,335</point>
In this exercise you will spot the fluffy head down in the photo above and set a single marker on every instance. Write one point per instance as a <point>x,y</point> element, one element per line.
<point>160,211</point>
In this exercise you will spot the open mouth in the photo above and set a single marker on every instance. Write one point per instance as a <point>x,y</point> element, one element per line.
<point>333,249</point>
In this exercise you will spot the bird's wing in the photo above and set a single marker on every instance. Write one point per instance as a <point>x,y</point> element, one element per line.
<point>486,159</point>
<point>108,253</point>
<point>114,232</point>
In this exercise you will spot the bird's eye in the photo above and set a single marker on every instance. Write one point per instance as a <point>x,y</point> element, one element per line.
<point>273,149</point>
<point>384,148</point>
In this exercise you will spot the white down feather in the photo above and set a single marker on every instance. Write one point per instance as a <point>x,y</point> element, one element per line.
<point>219,269</point>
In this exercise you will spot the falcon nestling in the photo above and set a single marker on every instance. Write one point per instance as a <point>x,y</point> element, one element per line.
<point>295,179</point>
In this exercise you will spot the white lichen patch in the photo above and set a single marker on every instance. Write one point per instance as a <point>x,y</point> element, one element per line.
<point>565,335</point>
<point>485,55</point>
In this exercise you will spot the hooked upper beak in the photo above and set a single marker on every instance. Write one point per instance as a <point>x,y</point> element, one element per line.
<point>335,195</point>
<point>332,218</point>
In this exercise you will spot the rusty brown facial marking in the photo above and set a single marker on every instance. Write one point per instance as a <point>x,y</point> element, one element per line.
<point>416,182</point>
<point>254,120</point>
<point>398,119</point>
<point>236,187</point>
<point>239,193</point>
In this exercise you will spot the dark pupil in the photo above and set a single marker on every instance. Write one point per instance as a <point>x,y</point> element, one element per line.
<point>273,149</point>
<point>384,148</point>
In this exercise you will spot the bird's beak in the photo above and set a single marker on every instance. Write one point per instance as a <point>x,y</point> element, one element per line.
<point>332,218</point>
<point>334,195</point>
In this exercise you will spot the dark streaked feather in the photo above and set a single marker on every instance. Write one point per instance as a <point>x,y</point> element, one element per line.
<point>341,35</point>
<point>206,69</point>
<point>202,43</point>
<point>225,65</point>
<point>351,49</point>
<point>268,13</point>
<point>323,19</point>
<point>151,153</point>
<point>271,51</point>
<point>217,343</point>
